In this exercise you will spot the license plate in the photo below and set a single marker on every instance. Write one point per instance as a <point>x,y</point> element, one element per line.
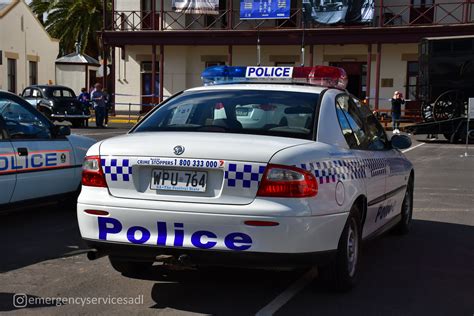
<point>178,180</point>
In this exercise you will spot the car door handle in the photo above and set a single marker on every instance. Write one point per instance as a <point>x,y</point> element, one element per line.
<point>22,151</point>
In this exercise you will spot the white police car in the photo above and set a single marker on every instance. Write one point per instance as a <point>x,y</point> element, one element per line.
<point>263,166</point>
<point>38,160</point>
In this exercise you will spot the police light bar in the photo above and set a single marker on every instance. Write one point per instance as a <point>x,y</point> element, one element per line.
<point>324,76</point>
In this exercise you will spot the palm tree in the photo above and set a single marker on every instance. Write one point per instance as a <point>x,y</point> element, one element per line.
<point>72,21</point>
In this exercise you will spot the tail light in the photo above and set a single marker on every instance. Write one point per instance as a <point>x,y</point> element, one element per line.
<point>92,174</point>
<point>286,181</point>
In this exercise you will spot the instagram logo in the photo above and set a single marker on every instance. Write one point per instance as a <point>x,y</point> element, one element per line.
<point>20,300</point>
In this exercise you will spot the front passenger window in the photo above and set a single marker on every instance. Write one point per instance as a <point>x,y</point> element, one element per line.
<point>354,121</point>
<point>21,123</point>
<point>376,134</point>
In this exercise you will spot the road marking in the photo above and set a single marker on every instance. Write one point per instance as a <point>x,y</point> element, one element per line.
<point>288,294</point>
<point>411,148</point>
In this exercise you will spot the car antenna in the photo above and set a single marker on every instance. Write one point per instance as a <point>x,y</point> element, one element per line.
<point>258,47</point>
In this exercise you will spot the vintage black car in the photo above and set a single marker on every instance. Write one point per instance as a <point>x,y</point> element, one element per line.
<point>58,103</point>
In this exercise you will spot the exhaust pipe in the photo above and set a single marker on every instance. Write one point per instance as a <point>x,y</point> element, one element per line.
<point>94,254</point>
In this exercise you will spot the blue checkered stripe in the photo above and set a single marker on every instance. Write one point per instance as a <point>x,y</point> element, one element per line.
<point>377,166</point>
<point>243,175</point>
<point>117,169</point>
<point>331,171</point>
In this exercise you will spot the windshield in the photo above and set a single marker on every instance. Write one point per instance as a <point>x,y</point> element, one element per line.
<point>276,113</point>
<point>60,93</point>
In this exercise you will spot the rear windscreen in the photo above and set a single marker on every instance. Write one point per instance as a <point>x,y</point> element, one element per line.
<point>276,113</point>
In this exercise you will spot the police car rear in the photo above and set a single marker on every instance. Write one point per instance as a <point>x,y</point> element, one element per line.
<point>215,175</point>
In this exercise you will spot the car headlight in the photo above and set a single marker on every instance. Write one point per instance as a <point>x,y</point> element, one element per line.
<point>51,102</point>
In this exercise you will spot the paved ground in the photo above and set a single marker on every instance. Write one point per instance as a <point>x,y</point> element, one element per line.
<point>428,272</point>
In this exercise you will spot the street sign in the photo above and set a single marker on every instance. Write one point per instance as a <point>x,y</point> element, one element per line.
<point>264,9</point>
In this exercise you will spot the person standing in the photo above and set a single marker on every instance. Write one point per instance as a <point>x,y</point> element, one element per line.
<point>108,105</point>
<point>85,99</point>
<point>98,98</point>
<point>397,102</point>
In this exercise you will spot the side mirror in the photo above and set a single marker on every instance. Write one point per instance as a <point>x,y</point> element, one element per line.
<point>61,130</point>
<point>400,141</point>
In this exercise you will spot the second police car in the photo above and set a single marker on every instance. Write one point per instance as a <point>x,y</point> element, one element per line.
<point>262,166</point>
<point>38,160</point>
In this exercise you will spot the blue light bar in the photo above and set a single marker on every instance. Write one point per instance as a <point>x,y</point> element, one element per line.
<point>323,76</point>
<point>223,74</point>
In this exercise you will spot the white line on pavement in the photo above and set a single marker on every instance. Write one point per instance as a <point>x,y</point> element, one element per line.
<point>411,148</point>
<point>288,294</point>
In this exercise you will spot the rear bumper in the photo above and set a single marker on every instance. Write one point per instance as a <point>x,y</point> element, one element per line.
<point>143,234</point>
<point>212,258</point>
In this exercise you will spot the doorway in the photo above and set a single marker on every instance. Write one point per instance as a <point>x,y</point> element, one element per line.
<point>357,76</point>
<point>147,97</point>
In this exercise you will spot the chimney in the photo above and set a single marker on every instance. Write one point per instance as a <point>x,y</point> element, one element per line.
<point>78,48</point>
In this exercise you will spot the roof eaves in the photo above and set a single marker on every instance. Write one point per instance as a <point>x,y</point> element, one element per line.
<point>7,8</point>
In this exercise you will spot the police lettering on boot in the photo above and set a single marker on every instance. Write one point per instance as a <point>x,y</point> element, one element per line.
<point>201,239</point>
<point>36,160</point>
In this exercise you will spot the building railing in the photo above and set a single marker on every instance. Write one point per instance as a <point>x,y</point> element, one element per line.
<point>448,13</point>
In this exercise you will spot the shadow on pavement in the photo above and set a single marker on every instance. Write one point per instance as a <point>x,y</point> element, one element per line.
<point>430,271</point>
<point>226,291</point>
<point>37,234</point>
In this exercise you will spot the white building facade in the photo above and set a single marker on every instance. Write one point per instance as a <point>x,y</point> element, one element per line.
<point>27,51</point>
<point>379,57</point>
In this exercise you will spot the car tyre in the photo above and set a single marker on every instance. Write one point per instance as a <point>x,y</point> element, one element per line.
<point>131,269</point>
<point>341,275</point>
<point>403,227</point>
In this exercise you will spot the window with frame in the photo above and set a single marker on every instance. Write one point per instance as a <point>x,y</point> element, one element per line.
<point>33,72</point>
<point>215,63</point>
<point>284,64</point>
<point>351,122</point>
<point>27,93</point>
<point>377,138</point>
<point>11,75</point>
<point>22,123</point>
<point>36,93</point>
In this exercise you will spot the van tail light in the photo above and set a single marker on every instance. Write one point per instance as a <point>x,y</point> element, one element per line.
<point>92,174</point>
<point>287,181</point>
